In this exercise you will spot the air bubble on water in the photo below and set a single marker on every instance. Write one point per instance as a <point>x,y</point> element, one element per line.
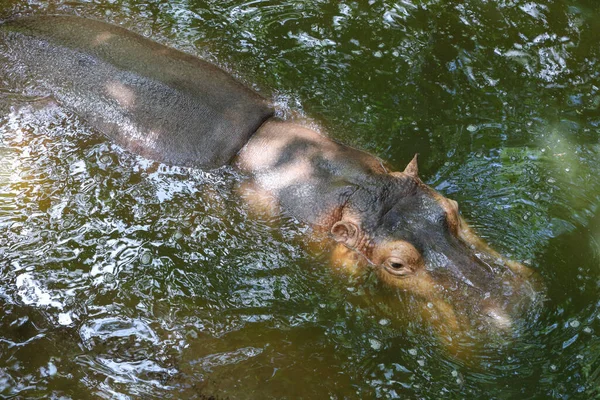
<point>471,128</point>
<point>48,371</point>
<point>574,323</point>
<point>587,329</point>
<point>52,370</point>
<point>421,362</point>
<point>109,278</point>
<point>375,344</point>
<point>430,305</point>
<point>454,373</point>
<point>106,159</point>
<point>146,258</point>
<point>553,367</point>
<point>384,322</point>
<point>64,319</point>
<point>192,334</point>
<point>412,352</point>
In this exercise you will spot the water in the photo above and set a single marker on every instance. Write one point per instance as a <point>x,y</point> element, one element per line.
<point>123,278</point>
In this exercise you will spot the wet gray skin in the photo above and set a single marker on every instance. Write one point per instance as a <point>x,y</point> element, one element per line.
<point>413,237</point>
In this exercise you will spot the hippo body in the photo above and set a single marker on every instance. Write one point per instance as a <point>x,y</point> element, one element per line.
<point>156,101</point>
<point>175,108</point>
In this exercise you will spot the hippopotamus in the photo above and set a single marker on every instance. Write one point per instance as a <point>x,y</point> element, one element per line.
<point>177,109</point>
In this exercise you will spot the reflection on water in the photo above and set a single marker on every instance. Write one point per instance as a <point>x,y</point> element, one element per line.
<point>126,278</point>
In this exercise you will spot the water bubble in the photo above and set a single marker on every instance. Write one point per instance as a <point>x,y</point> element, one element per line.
<point>574,323</point>
<point>412,352</point>
<point>52,369</point>
<point>471,128</point>
<point>192,334</point>
<point>146,258</point>
<point>48,371</point>
<point>106,159</point>
<point>375,344</point>
<point>384,322</point>
<point>109,278</point>
<point>553,367</point>
<point>65,319</point>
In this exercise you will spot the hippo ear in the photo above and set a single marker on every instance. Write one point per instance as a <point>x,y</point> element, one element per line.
<point>412,168</point>
<point>345,232</point>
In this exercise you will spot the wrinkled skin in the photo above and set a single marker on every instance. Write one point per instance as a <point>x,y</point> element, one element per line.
<point>413,237</point>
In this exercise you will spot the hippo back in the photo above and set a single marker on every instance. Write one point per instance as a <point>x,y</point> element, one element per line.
<point>156,101</point>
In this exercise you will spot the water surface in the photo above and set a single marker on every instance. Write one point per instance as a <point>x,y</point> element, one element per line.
<point>123,278</point>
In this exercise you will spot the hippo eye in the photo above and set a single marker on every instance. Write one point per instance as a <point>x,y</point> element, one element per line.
<point>397,268</point>
<point>443,220</point>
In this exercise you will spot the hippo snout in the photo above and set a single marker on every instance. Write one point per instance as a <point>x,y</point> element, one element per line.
<point>497,318</point>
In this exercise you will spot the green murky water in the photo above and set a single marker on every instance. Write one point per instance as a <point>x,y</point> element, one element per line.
<point>122,278</point>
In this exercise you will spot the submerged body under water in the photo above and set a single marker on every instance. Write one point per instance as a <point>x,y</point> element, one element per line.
<point>123,277</point>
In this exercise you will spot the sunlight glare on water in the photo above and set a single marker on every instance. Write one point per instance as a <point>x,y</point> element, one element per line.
<point>125,278</point>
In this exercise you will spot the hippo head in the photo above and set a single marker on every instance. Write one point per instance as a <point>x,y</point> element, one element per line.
<point>413,237</point>
<point>417,241</point>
